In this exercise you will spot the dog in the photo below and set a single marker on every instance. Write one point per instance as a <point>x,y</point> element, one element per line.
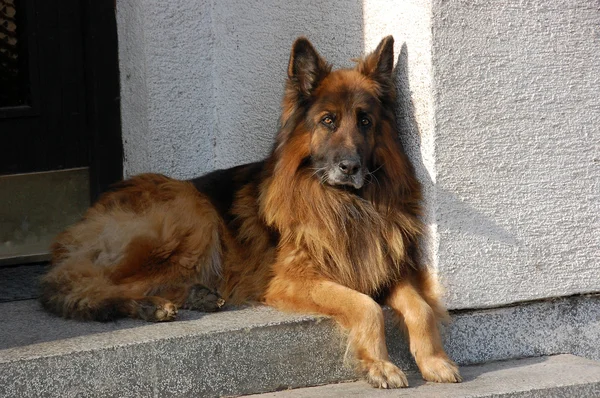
<point>329,223</point>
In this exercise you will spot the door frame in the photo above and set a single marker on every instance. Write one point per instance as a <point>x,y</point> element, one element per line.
<point>102,92</point>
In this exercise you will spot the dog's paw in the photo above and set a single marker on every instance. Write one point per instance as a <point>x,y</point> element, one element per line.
<point>166,312</point>
<point>201,298</point>
<point>384,374</point>
<point>156,309</point>
<point>439,370</point>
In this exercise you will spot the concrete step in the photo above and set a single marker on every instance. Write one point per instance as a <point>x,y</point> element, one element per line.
<point>560,376</point>
<point>254,349</point>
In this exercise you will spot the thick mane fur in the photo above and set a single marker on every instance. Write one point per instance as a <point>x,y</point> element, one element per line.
<point>361,238</point>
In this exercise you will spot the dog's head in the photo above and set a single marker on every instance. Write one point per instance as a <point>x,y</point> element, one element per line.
<point>343,110</point>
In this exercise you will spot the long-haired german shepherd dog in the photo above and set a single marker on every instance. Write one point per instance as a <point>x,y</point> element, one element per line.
<point>328,223</point>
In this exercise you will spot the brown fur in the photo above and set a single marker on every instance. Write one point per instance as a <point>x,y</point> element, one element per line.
<point>328,222</point>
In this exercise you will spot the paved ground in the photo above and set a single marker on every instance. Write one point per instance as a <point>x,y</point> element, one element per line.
<point>20,282</point>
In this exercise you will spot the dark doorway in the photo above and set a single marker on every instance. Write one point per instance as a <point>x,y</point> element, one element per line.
<point>60,131</point>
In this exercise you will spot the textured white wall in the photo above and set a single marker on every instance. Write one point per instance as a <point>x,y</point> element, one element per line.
<point>166,64</point>
<point>497,110</point>
<point>410,24</point>
<point>201,81</point>
<point>517,146</point>
<point>252,45</point>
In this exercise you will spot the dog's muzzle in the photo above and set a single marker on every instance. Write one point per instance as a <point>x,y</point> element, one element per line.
<point>347,172</point>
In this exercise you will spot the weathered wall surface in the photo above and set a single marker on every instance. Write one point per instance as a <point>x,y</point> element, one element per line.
<point>498,112</point>
<point>202,80</point>
<point>517,146</point>
<point>165,51</point>
<point>410,25</point>
<point>252,44</point>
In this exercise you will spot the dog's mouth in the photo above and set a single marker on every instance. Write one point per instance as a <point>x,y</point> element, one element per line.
<point>334,177</point>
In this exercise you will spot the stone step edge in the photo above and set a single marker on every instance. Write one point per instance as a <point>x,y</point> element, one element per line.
<point>259,349</point>
<point>552,376</point>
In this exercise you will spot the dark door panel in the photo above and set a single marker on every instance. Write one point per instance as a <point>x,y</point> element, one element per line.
<point>60,130</point>
<point>43,128</point>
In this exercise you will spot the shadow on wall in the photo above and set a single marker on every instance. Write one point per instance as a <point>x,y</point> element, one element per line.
<point>252,43</point>
<point>202,81</point>
<point>213,80</point>
<point>451,213</point>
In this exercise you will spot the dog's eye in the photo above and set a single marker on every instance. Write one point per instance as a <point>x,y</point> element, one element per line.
<point>327,120</point>
<point>365,121</point>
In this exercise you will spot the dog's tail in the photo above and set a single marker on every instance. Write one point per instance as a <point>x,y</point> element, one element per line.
<point>77,289</point>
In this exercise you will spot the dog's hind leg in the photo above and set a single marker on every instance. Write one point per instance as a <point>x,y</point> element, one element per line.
<point>421,320</point>
<point>78,287</point>
<point>356,312</point>
<point>80,290</point>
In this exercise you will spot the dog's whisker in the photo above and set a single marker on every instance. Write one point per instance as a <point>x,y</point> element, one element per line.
<point>317,170</point>
<point>377,169</point>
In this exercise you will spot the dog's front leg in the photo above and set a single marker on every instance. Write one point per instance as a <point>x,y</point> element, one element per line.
<point>356,312</point>
<point>423,333</point>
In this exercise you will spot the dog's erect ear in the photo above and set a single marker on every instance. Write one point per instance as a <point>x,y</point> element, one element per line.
<point>379,65</point>
<point>306,68</point>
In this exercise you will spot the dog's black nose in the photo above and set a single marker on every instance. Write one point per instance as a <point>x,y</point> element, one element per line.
<point>349,166</point>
